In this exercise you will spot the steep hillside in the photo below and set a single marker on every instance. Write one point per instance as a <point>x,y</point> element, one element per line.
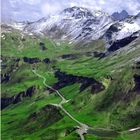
<point>92,94</point>
<point>80,26</point>
<point>122,33</point>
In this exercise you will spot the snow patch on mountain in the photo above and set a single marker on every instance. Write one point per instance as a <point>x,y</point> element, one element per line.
<point>127,30</point>
<point>80,25</point>
<point>74,23</point>
<point>123,29</point>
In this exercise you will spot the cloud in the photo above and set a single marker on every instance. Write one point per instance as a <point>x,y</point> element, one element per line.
<point>35,9</point>
<point>49,8</point>
<point>110,6</point>
<point>20,10</point>
<point>32,2</point>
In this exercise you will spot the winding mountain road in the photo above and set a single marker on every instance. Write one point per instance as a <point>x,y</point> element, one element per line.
<point>81,128</point>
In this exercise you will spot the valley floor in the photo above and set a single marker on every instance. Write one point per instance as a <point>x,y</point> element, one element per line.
<point>62,92</point>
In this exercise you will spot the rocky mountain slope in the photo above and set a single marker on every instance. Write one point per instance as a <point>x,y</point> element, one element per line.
<point>102,92</point>
<point>76,24</point>
<point>59,90</point>
<point>122,33</point>
<point>120,16</point>
<point>80,25</point>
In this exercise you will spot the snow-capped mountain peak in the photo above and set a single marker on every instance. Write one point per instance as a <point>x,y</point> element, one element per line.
<point>77,24</point>
<point>123,29</point>
<point>77,12</point>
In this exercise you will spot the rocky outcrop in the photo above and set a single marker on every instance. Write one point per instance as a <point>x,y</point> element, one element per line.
<point>35,60</point>
<point>138,65</point>
<point>47,61</point>
<point>17,98</point>
<point>31,60</point>
<point>42,46</point>
<point>69,79</point>
<point>7,69</point>
<point>6,101</point>
<point>69,56</point>
<point>137,82</point>
<point>75,23</point>
<point>96,54</point>
<point>120,16</point>
<point>121,43</point>
<point>5,78</point>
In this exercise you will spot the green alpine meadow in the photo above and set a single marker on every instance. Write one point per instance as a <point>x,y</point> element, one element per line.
<point>71,76</point>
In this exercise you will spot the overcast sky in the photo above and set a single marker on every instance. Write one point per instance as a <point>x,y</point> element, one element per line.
<point>23,10</point>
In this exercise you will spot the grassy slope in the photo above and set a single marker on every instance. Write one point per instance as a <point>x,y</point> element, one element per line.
<point>98,110</point>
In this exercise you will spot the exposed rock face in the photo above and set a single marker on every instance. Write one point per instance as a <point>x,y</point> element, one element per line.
<point>42,46</point>
<point>78,12</point>
<point>47,60</point>
<point>81,26</point>
<point>121,33</point>
<point>138,65</point>
<point>120,16</point>
<point>69,79</point>
<point>75,23</point>
<point>137,82</point>
<point>17,98</point>
<point>35,60</point>
<point>5,77</point>
<point>29,92</point>
<point>31,60</point>
<point>8,69</point>
<point>121,43</point>
<point>91,53</point>
<point>69,56</point>
<point>96,54</point>
<point>6,101</point>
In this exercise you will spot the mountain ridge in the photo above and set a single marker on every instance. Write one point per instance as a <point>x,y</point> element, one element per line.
<point>80,25</point>
<point>120,15</point>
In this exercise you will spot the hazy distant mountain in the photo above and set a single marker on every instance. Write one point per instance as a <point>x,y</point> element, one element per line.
<point>120,16</point>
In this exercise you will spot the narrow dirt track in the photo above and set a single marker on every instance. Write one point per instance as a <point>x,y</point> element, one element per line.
<point>82,128</point>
